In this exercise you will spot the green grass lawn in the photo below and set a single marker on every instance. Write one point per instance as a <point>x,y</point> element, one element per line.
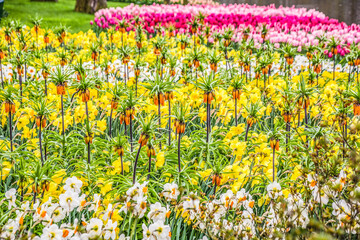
<point>52,13</point>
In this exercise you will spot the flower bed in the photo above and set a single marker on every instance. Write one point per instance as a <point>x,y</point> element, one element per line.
<point>297,26</point>
<point>123,135</point>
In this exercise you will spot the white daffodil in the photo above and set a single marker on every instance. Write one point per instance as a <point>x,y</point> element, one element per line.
<point>52,233</point>
<point>11,196</point>
<point>69,200</point>
<point>73,184</point>
<point>94,228</point>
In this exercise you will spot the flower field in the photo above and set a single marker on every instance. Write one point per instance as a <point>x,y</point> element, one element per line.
<point>181,122</point>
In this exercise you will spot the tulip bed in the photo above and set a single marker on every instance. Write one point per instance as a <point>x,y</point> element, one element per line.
<point>134,134</point>
<point>297,26</point>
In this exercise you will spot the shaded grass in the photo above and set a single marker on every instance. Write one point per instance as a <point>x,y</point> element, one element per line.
<point>52,13</point>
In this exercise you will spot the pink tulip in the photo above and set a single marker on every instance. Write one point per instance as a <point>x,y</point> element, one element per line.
<point>297,26</point>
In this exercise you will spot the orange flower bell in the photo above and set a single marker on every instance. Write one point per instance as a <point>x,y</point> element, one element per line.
<point>143,139</point>
<point>274,144</point>
<point>9,107</point>
<point>119,151</point>
<point>356,108</point>
<point>236,94</point>
<point>40,120</point>
<point>85,95</point>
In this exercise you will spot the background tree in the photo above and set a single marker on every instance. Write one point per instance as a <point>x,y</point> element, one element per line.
<point>90,6</point>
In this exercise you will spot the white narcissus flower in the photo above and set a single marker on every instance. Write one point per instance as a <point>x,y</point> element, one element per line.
<point>94,228</point>
<point>82,200</point>
<point>110,228</point>
<point>321,195</point>
<point>11,196</point>
<point>240,196</point>
<point>147,235</point>
<point>122,237</point>
<point>52,233</point>
<point>126,206</point>
<point>140,207</point>
<point>68,230</point>
<point>25,206</point>
<point>42,214</point>
<point>58,214</point>
<point>192,206</point>
<point>69,200</point>
<point>160,230</point>
<point>96,203</point>
<point>249,203</point>
<point>143,188</point>
<point>216,209</point>
<point>157,212</point>
<point>137,191</point>
<point>9,230</point>
<point>227,199</point>
<point>73,184</point>
<point>274,190</point>
<point>108,212</point>
<point>20,215</point>
<point>171,191</point>
<point>312,181</point>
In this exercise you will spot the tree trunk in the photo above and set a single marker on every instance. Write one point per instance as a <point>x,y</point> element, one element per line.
<point>90,6</point>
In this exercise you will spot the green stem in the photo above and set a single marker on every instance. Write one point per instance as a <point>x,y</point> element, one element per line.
<point>133,230</point>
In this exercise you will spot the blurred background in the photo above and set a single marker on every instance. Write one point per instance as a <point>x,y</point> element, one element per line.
<point>77,15</point>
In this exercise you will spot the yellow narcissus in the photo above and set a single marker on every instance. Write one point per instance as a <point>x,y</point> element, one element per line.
<point>205,174</point>
<point>5,169</point>
<point>101,125</point>
<point>160,159</point>
<point>117,167</point>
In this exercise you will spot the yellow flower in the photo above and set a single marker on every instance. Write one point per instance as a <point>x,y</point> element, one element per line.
<point>185,141</point>
<point>22,122</point>
<point>238,147</point>
<point>263,200</point>
<point>106,188</point>
<point>238,130</point>
<point>194,182</point>
<point>202,114</point>
<point>206,173</point>
<point>237,185</point>
<point>160,160</point>
<point>58,176</point>
<point>101,125</point>
<point>53,192</point>
<point>5,170</point>
<point>296,173</point>
<point>286,192</point>
<point>26,133</point>
<point>116,216</point>
<point>117,166</point>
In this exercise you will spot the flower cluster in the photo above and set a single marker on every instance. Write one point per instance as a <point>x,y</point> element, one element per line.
<point>121,134</point>
<point>297,26</point>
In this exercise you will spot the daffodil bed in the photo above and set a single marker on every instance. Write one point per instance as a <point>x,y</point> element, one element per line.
<point>123,135</point>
